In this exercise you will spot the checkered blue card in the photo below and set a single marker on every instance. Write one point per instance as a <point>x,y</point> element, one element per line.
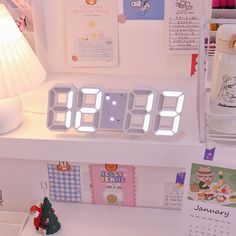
<point>64,186</point>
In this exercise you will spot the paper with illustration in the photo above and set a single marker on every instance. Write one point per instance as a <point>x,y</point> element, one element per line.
<point>92,33</point>
<point>209,201</point>
<point>113,184</point>
<point>183,25</point>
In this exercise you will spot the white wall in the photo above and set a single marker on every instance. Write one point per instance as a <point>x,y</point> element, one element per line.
<point>141,45</point>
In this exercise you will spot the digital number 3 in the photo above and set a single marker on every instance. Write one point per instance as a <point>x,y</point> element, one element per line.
<point>168,115</point>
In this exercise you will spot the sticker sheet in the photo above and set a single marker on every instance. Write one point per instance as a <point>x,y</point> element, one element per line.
<point>144,9</point>
<point>113,184</point>
<point>64,182</point>
<point>209,201</point>
<point>92,33</point>
<point>183,25</point>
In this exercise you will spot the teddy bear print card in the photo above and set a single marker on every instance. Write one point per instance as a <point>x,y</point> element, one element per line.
<point>209,201</point>
<point>113,184</point>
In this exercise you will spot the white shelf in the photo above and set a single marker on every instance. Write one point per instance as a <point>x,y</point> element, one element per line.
<point>32,140</point>
<point>90,220</point>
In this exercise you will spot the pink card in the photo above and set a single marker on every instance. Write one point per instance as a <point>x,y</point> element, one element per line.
<point>113,184</point>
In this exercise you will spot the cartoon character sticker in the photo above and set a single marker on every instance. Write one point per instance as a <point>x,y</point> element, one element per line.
<point>184,5</point>
<point>144,9</point>
<point>91,2</point>
<point>227,94</point>
<point>143,5</point>
<point>205,176</point>
<point>63,166</point>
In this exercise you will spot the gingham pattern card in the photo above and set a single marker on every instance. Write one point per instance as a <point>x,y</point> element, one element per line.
<point>64,186</point>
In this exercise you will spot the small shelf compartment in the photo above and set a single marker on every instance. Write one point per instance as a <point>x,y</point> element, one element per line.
<point>207,51</point>
<point>12,223</point>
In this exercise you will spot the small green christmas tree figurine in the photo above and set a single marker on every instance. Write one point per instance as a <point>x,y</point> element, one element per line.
<point>49,220</point>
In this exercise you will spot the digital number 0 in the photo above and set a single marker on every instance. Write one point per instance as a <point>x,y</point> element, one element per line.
<point>139,111</point>
<point>87,108</point>
<point>60,107</point>
<point>169,107</point>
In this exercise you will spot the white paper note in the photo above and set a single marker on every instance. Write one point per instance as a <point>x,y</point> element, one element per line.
<point>92,33</point>
<point>183,25</point>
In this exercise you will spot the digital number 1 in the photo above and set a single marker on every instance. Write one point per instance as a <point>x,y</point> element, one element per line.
<point>138,116</point>
<point>60,107</point>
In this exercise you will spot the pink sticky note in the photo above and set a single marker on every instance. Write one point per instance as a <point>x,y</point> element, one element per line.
<point>113,184</point>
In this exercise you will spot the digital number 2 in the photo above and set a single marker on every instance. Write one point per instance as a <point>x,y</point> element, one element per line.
<point>88,104</point>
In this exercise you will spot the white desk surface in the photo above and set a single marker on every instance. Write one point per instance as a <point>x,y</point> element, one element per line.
<point>100,220</point>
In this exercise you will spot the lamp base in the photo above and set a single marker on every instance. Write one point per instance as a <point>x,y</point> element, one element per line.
<point>10,114</point>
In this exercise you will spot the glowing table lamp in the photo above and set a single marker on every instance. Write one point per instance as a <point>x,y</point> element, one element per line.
<point>20,71</point>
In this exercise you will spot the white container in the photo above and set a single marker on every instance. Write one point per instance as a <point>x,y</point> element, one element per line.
<point>223,87</point>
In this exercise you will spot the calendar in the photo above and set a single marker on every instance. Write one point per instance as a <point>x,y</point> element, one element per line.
<point>173,195</point>
<point>209,201</point>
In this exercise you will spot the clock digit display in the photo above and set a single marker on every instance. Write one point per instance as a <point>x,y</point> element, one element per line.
<point>113,110</point>
<point>168,117</point>
<point>60,108</point>
<point>87,107</point>
<point>139,111</point>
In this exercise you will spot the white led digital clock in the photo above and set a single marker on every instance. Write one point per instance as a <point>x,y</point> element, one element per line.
<point>91,109</point>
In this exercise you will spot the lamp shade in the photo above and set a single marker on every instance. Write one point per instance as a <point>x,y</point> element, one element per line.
<point>20,69</point>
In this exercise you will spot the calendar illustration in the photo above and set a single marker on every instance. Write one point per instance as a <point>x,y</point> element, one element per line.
<point>209,201</point>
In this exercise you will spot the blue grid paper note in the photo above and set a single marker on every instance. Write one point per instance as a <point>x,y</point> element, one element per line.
<point>64,186</point>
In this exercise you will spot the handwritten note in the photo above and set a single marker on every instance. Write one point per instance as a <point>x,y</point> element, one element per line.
<point>183,30</point>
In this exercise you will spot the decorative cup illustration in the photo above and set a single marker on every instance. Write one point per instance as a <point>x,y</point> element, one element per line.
<point>91,2</point>
<point>223,85</point>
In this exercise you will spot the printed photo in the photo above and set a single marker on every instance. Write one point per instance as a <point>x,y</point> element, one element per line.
<point>211,184</point>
